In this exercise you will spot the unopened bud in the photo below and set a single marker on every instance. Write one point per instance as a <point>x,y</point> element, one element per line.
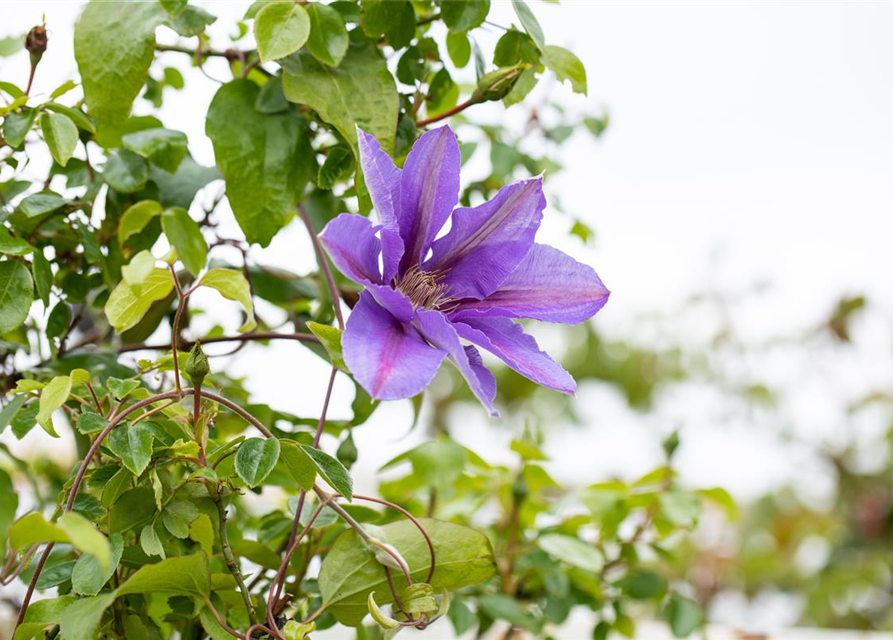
<point>496,84</point>
<point>36,43</point>
<point>197,365</point>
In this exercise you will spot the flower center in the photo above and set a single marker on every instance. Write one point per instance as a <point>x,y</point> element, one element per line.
<point>424,289</point>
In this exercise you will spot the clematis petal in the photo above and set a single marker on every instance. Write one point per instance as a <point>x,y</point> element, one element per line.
<point>383,181</point>
<point>351,242</point>
<point>486,243</point>
<point>395,302</point>
<point>429,192</point>
<point>440,332</point>
<point>548,285</point>
<point>507,340</point>
<point>388,358</point>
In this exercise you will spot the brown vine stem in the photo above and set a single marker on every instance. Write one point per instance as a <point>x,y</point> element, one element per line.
<point>248,337</point>
<point>175,328</point>
<point>92,452</point>
<point>473,100</point>
<point>324,265</point>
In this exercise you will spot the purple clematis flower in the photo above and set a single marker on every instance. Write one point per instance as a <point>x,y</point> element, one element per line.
<point>425,295</point>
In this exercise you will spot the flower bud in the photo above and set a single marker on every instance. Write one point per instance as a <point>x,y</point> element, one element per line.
<point>197,365</point>
<point>496,84</point>
<point>294,630</point>
<point>36,43</point>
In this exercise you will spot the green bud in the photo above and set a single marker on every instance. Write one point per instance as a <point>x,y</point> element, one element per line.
<point>294,630</point>
<point>496,84</point>
<point>197,365</point>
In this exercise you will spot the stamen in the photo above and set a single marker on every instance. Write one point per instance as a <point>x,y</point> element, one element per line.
<point>425,289</point>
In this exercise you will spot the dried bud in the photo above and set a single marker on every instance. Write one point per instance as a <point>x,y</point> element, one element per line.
<point>36,43</point>
<point>496,84</point>
<point>197,365</point>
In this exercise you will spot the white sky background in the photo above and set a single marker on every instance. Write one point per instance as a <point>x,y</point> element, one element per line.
<point>748,143</point>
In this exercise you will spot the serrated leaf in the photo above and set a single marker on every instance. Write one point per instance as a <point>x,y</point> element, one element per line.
<point>256,458</point>
<point>60,134</point>
<point>280,28</point>
<point>133,445</point>
<point>232,285</point>
<point>328,39</point>
<point>332,471</point>
<point>360,93</point>
<point>177,516</point>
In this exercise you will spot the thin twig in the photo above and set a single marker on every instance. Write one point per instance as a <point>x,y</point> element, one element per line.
<point>248,337</point>
<point>324,265</point>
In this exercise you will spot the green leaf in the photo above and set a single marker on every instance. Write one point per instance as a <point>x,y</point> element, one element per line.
<point>530,23</point>
<point>684,616</point>
<point>186,237</point>
<point>395,19</point>
<point>88,576</point>
<point>24,420</point>
<point>150,542</point>
<point>12,246</point>
<point>572,551</point>
<point>8,411</point>
<point>128,303</point>
<point>179,189</point>
<point>458,47</point>
<point>52,397</point>
<point>232,285</point>
<point>41,614</point>
<point>80,620</point>
<point>332,471</point>
<point>114,45</point>
<point>643,584</point>
<point>125,171</point>
<point>16,126</point>
<point>114,488</point>
<point>328,40</point>
<point>137,271</point>
<point>32,528</point>
<point>184,575</point>
<point>360,93</point>
<point>524,85</point>
<point>85,537</point>
<point>119,388</point>
<point>464,15</point>
<point>256,458</point>
<point>443,94</point>
<point>43,276</point>
<point>75,115</point>
<point>60,134</point>
<point>10,45</point>
<point>280,28</point>
<point>330,338</point>
<point>499,606</point>
<point>16,289</point>
<point>177,516</point>
<point>350,572</point>
<point>202,531</point>
<point>339,165</point>
<point>566,66</point>
<point>265,158</point>
<point>133,445</point>
<point>299,464</point>
<point>38,204</point>
<point>10,503</point>
<point>135,218</point>
<point>133,509</point>
<point>513,47</point>
<point>164,148</point>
